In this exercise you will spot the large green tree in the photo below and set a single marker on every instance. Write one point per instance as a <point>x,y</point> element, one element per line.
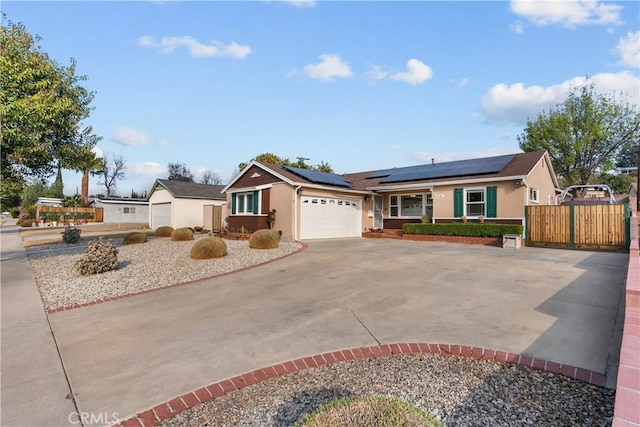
<point>583,135</point>
<point>42,106</point>
<point>299,163</point>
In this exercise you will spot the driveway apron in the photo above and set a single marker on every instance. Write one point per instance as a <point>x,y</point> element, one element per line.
<point>129,355</point>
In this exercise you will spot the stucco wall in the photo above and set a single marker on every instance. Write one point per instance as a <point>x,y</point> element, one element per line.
<point>114,212</point>
<point>510,200</point>
<point>539,178</point>
<point>190,212</point>
<point>282,200</point>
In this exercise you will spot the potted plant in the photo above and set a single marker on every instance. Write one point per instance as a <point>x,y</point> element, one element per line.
<point>481,219</point>
<point>271,218</point>
<point>463,219</point>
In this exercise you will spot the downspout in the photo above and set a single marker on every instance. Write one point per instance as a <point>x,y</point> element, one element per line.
<point>526,200</point>
<point>295,213</point>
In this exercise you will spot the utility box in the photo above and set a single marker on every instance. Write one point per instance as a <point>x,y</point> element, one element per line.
<point>513,241</point>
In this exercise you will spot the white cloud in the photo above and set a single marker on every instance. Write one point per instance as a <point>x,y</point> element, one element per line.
<point>145,169</point>
<point>300,3</point>
<point>517,27</point>
<point>375,73</point>
<point>330,66</point>
<point>568,13</point>
<point>196,49</point>
<point>135,138</point>
<point>417,73</point>
<point>513,104</point>
<point>97,151</point>
<point>463,82</point>
<point>629,50</point>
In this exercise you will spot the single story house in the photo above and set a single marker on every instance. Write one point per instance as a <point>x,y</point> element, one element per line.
<point>123,209</point>
<point>311,204</point>
<point>186,204</point>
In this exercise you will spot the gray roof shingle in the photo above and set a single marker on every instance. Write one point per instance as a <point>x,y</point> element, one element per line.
<point>191,190</point>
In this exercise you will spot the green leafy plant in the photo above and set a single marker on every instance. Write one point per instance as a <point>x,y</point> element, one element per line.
<point>164,231</point>
<point>71,235</point>
<point>99,257</point>
<point>264,239</point>
<point>457,229</point>
<point>182,234</point>
<point>208,248</point>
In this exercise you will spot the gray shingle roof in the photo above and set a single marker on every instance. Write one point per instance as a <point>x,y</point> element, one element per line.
<point>191,190</point>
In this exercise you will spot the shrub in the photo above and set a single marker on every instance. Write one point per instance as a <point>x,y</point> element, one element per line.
<point>457,229</point>
<point>182,235</point>
<point>209,247</point>
<point>135,237</point>
<point>164,231</point>
<point>71,235</point>
<point>368,411</point>
<point>264,239</point>
<point>99,257</point>
<point>14,212</point>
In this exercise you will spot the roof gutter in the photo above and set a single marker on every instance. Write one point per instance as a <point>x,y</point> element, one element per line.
<point>441,183</point>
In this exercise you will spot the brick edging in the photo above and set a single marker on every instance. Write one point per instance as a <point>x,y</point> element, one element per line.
<point>175,285</point>
<point>159,413</point>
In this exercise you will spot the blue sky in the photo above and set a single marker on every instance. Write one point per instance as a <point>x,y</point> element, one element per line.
<point>359,85</point>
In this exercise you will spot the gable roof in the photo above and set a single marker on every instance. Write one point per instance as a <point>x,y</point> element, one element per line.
<point>504,167</point>
<point>189,190</point>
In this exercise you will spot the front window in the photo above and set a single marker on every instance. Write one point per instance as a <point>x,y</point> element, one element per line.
<point>409,205</point>
<point>475,203</point>
<point>131,211</point>
<point>534,195</point>
<point>244,203</point>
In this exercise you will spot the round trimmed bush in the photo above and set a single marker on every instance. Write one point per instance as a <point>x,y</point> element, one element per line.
<point>164,231</point>
<point>208,248</point>
<point>264,239</point>
<point>135,237</point>
<point>182,234</point>
<point>368,411</point>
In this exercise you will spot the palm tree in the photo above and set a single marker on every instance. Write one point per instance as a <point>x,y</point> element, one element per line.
<point>88,163</point>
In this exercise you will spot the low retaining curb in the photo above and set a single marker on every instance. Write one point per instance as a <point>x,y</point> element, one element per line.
<point>163,411</point>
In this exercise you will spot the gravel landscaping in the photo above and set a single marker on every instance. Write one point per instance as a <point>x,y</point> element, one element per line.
<point>455,390</point>
<point>155,264</point>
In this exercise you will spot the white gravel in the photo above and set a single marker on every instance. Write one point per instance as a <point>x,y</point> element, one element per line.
<point>457,391</point>
<point>155,264</point>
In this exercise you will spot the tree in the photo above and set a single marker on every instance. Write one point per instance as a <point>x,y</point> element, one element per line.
<point>211,178</point>
<point>86,161</point>
<point>584,134</point>
<point>42,107</point>
<point>57,189</point>
<point>300,163</point>
<point>619,183</point>
<point>179,172</point>
<point>111,171</point>
<point>628,157</point>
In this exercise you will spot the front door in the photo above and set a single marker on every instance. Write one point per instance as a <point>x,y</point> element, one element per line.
<point>377,211</point>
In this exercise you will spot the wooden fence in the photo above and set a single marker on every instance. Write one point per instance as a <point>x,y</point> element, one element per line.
<point>69,215</point>
<point>578,226</point>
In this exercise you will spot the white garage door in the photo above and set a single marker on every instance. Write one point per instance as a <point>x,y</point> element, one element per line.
<point>327,217</point>
<point>161,214</point>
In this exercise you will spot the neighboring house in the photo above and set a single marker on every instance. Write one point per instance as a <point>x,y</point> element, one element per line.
<point>186,204</point>
<point>123,210</point>
<point>48,201</point>
<point>312,205</point>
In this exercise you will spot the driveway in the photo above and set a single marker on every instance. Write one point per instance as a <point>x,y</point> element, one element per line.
<point>129,355</point>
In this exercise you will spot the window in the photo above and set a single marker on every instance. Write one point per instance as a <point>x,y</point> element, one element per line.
<point>534,195</point>
<point>475,203</point>
<point>244,203</point>
<point>131,211</point>
<point>409,205</point>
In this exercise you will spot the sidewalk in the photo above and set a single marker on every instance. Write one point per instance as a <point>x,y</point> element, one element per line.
<point>34,387</point>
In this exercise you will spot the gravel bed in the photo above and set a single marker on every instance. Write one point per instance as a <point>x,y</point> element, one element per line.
<point>155,264</point>
<point>457,391</point>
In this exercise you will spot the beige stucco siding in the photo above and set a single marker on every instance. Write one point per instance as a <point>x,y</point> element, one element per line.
<point>282,200</point>
<point>539,178</point>
<point>510,200</point>
<point>189,212</point>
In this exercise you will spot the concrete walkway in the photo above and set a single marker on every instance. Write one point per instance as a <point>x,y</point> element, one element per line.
<point>34,388</point>
<point>129,355</point>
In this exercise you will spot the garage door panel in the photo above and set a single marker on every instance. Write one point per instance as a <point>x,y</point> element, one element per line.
<point>324,217</point>
<point>161,214</point>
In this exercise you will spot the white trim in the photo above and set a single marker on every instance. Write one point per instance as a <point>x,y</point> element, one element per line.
<point>120,202</point>
<point>247,189</point>
<point>466,202</point>
<point>443,183</point>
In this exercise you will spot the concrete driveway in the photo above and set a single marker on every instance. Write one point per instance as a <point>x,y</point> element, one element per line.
<point>129,355</point>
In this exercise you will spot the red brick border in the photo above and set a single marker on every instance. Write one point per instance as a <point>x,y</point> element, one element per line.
<point>175,285</point>
<point>159,413</point>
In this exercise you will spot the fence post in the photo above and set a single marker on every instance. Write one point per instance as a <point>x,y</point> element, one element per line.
<point>572,227</point>
<point>627,226</point>
<point>526,225</point>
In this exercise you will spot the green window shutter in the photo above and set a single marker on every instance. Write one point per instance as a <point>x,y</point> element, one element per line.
<point>234,198</point>
<point>492,202</point>
<point>255,202</point>
<point>457,203</point>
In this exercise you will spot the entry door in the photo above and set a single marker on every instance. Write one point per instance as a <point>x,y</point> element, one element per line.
<point>377,211</point>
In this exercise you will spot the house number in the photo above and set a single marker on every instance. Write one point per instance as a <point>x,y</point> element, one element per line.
<point>439,196</point>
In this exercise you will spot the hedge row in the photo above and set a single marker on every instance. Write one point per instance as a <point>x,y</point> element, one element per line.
<point>458,229</point>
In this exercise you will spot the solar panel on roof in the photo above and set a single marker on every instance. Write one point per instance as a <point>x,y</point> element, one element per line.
<point>444,170</point>
<point>320,177</point>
